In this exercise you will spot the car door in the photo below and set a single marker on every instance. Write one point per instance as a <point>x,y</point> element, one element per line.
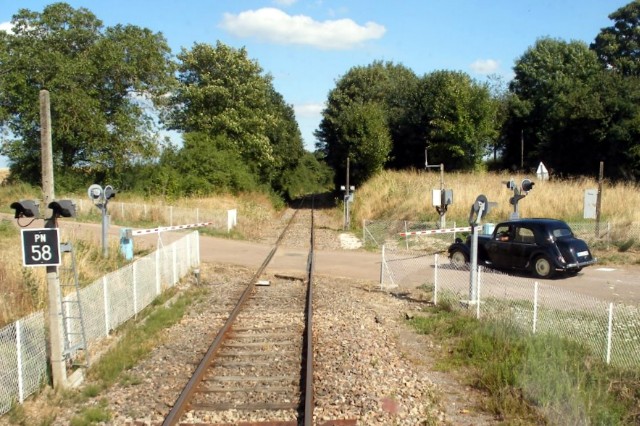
<point>498,248</point>
<point>523,245</point>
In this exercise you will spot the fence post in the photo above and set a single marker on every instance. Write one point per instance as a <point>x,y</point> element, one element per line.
<point>406,236</point>
<point>382,263</point>
<point>535,306</point>
<point>609,333</point>
<point>435,281</point>
<point>478,292</point>
<point>19,358</point>
<point>105,292</point>
<point>135,288</point>
<point>364,232</point>
<point>158,271</point>
<point>174,261</point>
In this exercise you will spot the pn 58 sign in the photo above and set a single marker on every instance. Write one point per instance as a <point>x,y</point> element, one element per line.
<point>41,247</point>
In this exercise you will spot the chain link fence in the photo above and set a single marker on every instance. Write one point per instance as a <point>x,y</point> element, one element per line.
<point>610,331</point>
<point>376,233</point>
<point>106,304</point>
<point>156,214</point>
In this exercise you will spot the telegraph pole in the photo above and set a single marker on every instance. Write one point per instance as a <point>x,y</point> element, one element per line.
<point>58,368</point>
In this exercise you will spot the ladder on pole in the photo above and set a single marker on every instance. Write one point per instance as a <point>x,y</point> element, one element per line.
<point>75,339</point>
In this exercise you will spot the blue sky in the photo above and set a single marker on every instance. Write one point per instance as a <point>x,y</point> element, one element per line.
<point>306,45</point>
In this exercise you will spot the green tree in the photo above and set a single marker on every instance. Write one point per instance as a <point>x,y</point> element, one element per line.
<point>223,92</point>
<point>225,95</point>
<point>383,90</point>
<point>458,117</point>
<point>557,109</point>
<point>618,46</point>
<point>100,80</point>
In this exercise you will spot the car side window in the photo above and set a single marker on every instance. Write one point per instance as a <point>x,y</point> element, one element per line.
<point>525,236</point>
<point>503,233</point>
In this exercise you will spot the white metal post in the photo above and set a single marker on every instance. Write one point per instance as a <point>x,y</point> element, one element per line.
<point>382,263</point>
<point>105,292</point>
<point>435,281</point>
<point>19,358</point>
<point>175,264</point>
<point>406,235</point>
<point>535,306</point>
<point>610,333</point>
<point>135,288</point>
<point>158,271</point>
<point>478,296</point>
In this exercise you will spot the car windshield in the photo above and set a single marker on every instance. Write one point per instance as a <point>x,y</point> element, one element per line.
<point>562,232</point>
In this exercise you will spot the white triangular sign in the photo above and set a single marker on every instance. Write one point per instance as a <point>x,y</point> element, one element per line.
<point>542,172</point>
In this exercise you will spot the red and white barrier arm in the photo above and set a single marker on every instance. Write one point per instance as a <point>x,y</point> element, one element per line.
<point>168,228</point>
<point>438,231</point>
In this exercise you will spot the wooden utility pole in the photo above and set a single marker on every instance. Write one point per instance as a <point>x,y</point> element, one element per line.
<point>58,368</point>
<point>599,198</point>
<point>521,149</point>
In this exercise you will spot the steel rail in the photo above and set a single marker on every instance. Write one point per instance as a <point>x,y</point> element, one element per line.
<point>181,403</point>
<point>308,354</point>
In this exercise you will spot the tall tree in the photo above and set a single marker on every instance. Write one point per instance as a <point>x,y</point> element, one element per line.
<point>618,46</point>
<point>557,109</point>
<point>100,80</point>
<point>223,92</point>
<point>458,116</point>
<point>380,94</point>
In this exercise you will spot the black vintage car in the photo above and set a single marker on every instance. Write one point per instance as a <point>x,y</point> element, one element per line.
<point>541,246</point>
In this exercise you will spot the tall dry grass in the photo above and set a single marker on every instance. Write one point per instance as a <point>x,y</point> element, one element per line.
<point>407,196</point>
<point>23,290</point>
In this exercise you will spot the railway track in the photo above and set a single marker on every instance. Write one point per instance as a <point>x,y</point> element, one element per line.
<point>260,364</point>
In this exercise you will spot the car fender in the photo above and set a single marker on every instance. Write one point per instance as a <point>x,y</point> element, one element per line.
<point>552,256</point>
<point>459,245</point>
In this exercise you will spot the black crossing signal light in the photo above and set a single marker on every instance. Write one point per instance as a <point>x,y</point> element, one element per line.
<point>109,192</point>
<point>63,208</point>
<point>25,208</point>
<point>526,185</point>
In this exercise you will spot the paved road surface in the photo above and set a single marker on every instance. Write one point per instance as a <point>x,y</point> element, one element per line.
<point>615,284</point>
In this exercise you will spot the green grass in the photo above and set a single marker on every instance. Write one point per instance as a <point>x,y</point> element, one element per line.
<point>541,379</point>
<point>139,340</point>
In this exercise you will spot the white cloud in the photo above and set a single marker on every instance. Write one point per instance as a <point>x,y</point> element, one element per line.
<point>485,66</point>
<point>308,110</point>
<point>6,26</point>
<point>275,26</point>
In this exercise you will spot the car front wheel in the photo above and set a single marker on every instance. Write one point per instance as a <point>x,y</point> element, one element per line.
<point>542,267</point>
<point>458,258</point>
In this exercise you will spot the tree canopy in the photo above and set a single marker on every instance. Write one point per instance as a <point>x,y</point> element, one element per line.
<point>99,81</point>
<point>383,115</point>
<point>618,46</point>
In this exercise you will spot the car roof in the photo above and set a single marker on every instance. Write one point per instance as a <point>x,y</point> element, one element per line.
<point>536,221</point>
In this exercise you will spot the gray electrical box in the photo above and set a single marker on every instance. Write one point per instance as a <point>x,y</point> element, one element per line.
<point>590,202</point>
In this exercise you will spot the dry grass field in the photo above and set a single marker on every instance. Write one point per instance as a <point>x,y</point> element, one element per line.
<point>407,196</point>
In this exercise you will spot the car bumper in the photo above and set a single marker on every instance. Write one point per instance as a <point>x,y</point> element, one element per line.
<point>577,265</point>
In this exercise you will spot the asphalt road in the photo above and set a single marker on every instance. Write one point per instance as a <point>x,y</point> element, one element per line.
<point>610,284</point>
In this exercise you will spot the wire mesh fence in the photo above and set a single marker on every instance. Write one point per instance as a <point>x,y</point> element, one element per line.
<point>159,215</point>
<point>610,331</point>
<point>106,304</point>
<point>388,232</point>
